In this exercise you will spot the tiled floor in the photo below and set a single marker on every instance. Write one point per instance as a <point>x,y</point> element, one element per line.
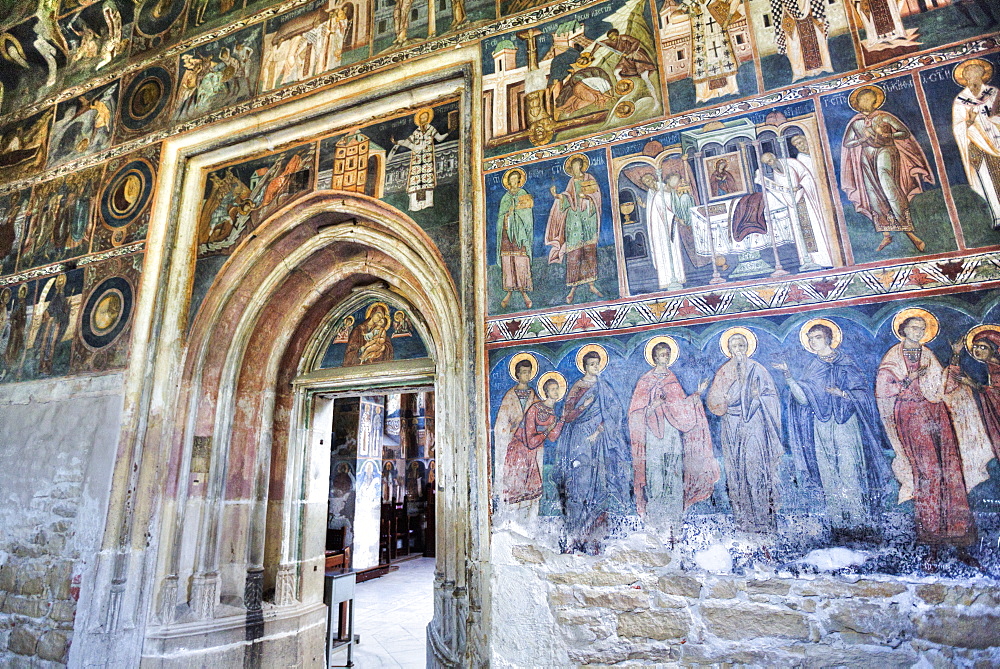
<point>391,615</point>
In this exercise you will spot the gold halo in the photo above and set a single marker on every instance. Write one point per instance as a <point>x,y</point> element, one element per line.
<point>751,340</point>
<point>509,173</point>
<point>512,366</point>
<point>574,156</point>
<point>838,335</point>
<point>959,72</point>
<point>587,349</point>
<point>624,86</point>
<point>381,306</point>
<point>914,312</point>
<point>624,109</point>
<point>852,99</point>
<point>545,378</point>
<point>428,111</point>
<point>665,339</point>
<point>971,335</point>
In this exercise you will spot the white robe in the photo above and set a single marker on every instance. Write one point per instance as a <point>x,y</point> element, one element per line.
<point>664,240</point>
<point>984,135</point>
<point>872,35</point>
<point>797,190</point>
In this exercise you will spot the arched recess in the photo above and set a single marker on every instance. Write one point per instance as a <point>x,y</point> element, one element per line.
<point>241,433</point>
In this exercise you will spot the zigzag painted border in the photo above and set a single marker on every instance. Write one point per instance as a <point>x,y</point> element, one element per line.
<point>975,271</point>
<point>59,268</point>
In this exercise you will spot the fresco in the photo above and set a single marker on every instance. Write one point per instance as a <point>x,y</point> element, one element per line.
<point>550,238</point>
<point>157,24</point>
<point>870,426</point>
<point>106,314</point>
<point>409,162</point>
<point>707,54</point>
<point>203,14</point>
<point>60,222</point>
<point>317,37</point>
<point>375,332</point>
<point>588,71</point>
<point>145,102</point>
<point>126,199</point>
<point>889,187</point>
<point>217,74</point>
<point>725,201</point>
<point>23,146</point>
<point>968,134</point>
<point>401,24</point>
<point>14,208</point>
<point>799,40</point>
<point>83,125</point>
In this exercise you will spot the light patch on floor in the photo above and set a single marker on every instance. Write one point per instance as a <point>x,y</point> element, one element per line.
<point>391,615</point>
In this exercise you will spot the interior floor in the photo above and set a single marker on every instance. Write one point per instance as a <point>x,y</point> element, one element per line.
<point>391,615</point>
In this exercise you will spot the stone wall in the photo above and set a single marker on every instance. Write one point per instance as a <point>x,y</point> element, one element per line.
<point>642,605</point>
<point>54,488</point>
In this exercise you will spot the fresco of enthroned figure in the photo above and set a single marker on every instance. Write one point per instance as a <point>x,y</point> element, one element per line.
<point>728,201</point>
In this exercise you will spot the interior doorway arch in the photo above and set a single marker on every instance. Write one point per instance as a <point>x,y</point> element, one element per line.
<point>240,435</point>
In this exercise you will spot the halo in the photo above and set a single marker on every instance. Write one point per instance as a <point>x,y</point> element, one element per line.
<point>429,111</point>
<point>852,99</point>
<point>381,306</point>
<point>574,156</point>
<point>751,340</point>
<point>971,335</point>
<point>838,336</point>
<point>664,339</point>
<point>914,312</point>
<point>624,86</point>
<point>509,173</point>
<point>959,72</point>
<point>546,377</point>
<point>587,349</point>
<point>512,366</point>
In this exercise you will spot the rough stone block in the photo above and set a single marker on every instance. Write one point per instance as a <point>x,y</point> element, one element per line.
<point>63,612</point>
<point>8,578</point>
<point>619,600</point>
<point>821,655</point>
<point>563,596</point>
<point>53,646</point>
<point>32,607</point>
<point>678,584</point>
<point>743,621</point>
<point>526,553</point>
<point>59,578</point>
<point>868,622</point>
<point>659,625</point>
<point>22,641</point>
<point>725,590</point>
<point>632,559</point>
<point>591,578</point>
<point>778,588</point>
<point>31,586</point>
<point>65,510</point>
<point>965,630</point>
<point>671,601</point>
<point>932,593</point>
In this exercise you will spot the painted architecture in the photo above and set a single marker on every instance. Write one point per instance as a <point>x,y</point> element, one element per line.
<point>708,294</point>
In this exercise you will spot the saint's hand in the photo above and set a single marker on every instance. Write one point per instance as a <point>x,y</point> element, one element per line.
<point>970,116</point>
<point>702,386</point>
<point>833,390</point>
<point>780,366</point>
<point>555,193</point>
<point>957,346</point>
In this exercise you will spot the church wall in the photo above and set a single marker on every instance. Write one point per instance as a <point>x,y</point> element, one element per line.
<point>746,139</point>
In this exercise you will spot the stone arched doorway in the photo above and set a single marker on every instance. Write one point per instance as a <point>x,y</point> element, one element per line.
<point>240,448</point>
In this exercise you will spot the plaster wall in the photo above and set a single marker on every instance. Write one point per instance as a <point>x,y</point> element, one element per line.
<point>55,492</point>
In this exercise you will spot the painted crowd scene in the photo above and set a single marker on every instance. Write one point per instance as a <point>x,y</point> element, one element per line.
<point>866,427</point>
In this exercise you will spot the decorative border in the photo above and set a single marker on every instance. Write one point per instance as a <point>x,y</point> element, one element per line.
<point>52,270</point>
<point>785,96</point>
<point>980,270</point>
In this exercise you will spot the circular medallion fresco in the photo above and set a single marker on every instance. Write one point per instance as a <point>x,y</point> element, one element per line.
<point>106,312</point>
<point>146,97</point>
<point>127,194</point>
<point>157,16</point>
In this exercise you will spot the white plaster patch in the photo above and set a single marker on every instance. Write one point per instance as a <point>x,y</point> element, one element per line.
<point>830,559</point>
<point>715,559</point>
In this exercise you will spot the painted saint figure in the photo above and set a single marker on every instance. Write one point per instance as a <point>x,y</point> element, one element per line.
<point>882,166</point>
<point>934,426</point>
<point>515,237</point>
<point>574,226</point>
<point>722,180</point>
<point>523,368</point>
<point>983,344</point>
<point>800,32</point>
<point>671,443</point>
<point>976,124</point>
<point>593,472</point>
<point>794,186</point>
<point>714,58</point>
<point>664,227</point>
<point>18,324</point>
<point>524,460</point>
<point>54,322</point>
<point>882,21</point>
<point>834,430</point>
<point>369,342</point>
<point>422,174</point>
<point>743,395</point>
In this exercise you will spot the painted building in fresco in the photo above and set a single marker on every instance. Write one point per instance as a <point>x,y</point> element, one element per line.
<point>712,289</point>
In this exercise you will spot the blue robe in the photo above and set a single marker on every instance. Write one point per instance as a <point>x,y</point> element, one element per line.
<point>593,478</point>
<point>841,372</point>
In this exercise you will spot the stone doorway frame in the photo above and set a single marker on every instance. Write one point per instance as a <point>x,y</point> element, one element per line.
<point>132,590</point>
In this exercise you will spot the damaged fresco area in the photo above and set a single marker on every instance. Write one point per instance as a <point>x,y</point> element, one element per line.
<point>870,428</point>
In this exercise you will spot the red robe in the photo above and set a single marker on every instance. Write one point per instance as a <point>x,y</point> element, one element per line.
<point>658,399</point>
<point>522,479</point>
